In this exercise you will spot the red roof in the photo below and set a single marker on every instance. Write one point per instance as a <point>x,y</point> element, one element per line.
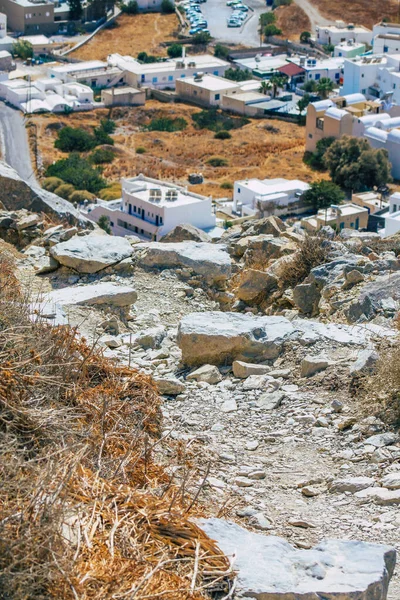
<point>291,69</point>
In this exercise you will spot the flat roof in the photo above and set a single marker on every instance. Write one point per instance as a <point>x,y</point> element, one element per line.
<point>359,28</point>
<point>200,61</point>
<point>33,4</point>
<point>139,187</point>
<point>81,66</point>
<point>36,40</point>
<point>263,63</point>
<point>329,63</point>
<point>266,187</point>
<point>211,83</point>
<point>120,91</point>
<point>346,210</point>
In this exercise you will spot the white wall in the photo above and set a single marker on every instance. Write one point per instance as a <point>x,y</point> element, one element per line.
<point>358,76</point>
<point>382,45</point>
<point>199,214</point>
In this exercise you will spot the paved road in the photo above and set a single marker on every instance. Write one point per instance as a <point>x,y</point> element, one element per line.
<point>14,142</point>
<point>216,13</point>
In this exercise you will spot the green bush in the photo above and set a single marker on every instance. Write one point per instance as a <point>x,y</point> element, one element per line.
<point>51,183</point>
<point>217,161</point>
<point>130,8</point>
<point>175,50</point>
<point>167,124</point>
<point>271,30</point>
<point>140,150</point>
<point>238,74</point>
<point>23,49</point>
<point>267,19</point>
<point>81,196</point>
<point>101,156</point>
<point>167,7</point>
<point>305,37</point>
<point>104,223</point>
<point>221,51</point>
<point>64,190</point>
<point>201,39</point>
<point>222,135</point>
<point>143,57</point>
<point>78,172</point>
<point>226,185</point>
<point>278,3</point>
<point>216,120</point>
<point>72,139</point>
<point>112,192</point>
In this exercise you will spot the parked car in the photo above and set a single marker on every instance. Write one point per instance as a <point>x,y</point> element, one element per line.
<point>194,31</point>
<point>234,23</point>
<point>242,7</point>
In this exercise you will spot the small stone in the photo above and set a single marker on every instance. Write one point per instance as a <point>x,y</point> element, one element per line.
<point>309,491</point>
<point>247,511</point>
<point>352,484</point>
<point>243,482</point>
<point>111,341</point>
<point>208,373</point>
<point>301,523</point>
<point>252,445</point>
<point>170,386</point>
<point>391,481</point>
<point>242,369</point>
<point>260,521</point>
<point>229,406</point>
<point>382,439</point>
<point>313,364</point>
<point>257,475</point>
<point>270,401</point>
<point>346,423</point>
<point>337,406</point>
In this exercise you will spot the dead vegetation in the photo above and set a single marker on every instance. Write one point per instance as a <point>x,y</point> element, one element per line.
<point>311,253</point>
<point>252,151</point>
<point>130,35</point>
<point>292,20</point>
<point>86,510</point>
<point>359,11</point>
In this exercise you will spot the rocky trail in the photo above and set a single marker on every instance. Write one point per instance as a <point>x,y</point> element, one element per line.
<point>263,400</point>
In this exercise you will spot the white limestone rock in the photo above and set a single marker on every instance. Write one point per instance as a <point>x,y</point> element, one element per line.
<point>170,386</point>
<point>91,253</point>
<point>208,373</point>
<point>313,364</point>
<point>271,569</point>
<point>242,369</point>
<point>89,295</point>
<point>391,481</point>
<point>351,484</point>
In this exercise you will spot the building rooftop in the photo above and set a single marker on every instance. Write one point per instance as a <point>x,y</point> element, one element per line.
<point>35,4</point>
<point>121,91</point>
<point>264,187</point>
<point>336,113</point>
<point>36,40</point>
<point>211,83</point>
<point>343,27</point>
<point>200,61</point>
<point>160,193</point>
<point>346,210</point>
<point>291,69</point>
<point>263,63</point>
<point>82,66</point>
<point>329,63</point>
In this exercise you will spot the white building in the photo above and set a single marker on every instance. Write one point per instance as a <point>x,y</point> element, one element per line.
<point>268,195</point>
<point>375,76</point>
<point>150,209</point>
<point>349,49</point>
<point>150,5</point>
<point>95,73</point>
<point>392,218</point>
<point>388,140</point>
<point>317,69</point>
<point>386,43</point>
<point>164,74</point>
<point>207,90</point>
<point>46,95</point>
<point>385,28</point>
<point>340,32</point>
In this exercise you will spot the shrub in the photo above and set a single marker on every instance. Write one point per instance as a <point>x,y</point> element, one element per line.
<point>322,194</point>
<point>64,190</point>
<point>130,8</point>
<point>104,223</point>
<point>78,172</point>
<point>201,39</point>
<point>217,161</point>
<point>112,192</point>
<point>316,159</point>
<point>311,253</point>
<point>305,37</point>
<point>221,51</point>
<point>72,139</point>
<point>222,135</point>
<point>278,3</point>
<point>383,387</point>
<point>140,150</point>
<point>167,124</point>
<point>81,196</point>
<point>267,19</point>
<point>23,49</point>
<point>52,183</point>
<point>216,120</point>
<point>226,185</point>
<point>101,156</point>
<point>238,74</point>
<point>271,30</point>
<point>175,50</point>
<point>167,7</point>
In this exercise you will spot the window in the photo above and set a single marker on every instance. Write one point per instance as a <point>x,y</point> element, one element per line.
<point>183,75</point>
<point>170,77</point>
<point>394,86</point>
<point>320,124</point>
<point>112,223</point>
<point>341,225</point>
<point>155,79</point>
<point>216,73</point>
<point>143,78</point>
<point>340,54</point>
<point>134,208</point>
<point>337,75</point>
<point>317,76</point>
<point>130,209</point>
<point>363,91</point>
<point>238,190</point>
<point>351,224</point>
<point>394,208</point>
<point>385,49</point>
<point>362,74</point>
<point>310,136</point>
<point>141,231</point>
<point>216,97</point>
<point>195,93</point>
<point>161,220</point>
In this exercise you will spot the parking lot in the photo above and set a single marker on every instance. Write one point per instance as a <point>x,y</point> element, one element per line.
<point>216,13</point>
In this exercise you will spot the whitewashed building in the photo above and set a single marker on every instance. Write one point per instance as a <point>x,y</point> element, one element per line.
<point>150,209</point>
<point>375,76</point>
<point>341,32</point>
<point>349,49</point>
<point>94,73</point>
<point>387,139</point>
<point>392,218</point>
<point>277,196</point>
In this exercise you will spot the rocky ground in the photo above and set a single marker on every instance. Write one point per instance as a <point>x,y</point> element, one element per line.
<point>287,448</point>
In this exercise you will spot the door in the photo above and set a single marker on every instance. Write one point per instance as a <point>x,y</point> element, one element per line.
<point>157,220</point>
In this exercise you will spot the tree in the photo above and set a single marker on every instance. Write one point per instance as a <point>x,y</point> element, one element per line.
<point>267,19</point>
<point>310,86</point>
<point>167,7</point>
<point>23,49</point>
<point>77,171</point>
<point>355,166</point>
<point>201,39</point>
<point>221,51</point>
<point>104,223</point>
<point>72,139</point>
<point>322,194</point>
<point>305,37</point>
<point>75,9</point>
<point>271,30</point>
<point>175,50</point>
<point>130,8</point>
<point>238,74</point>
<point>303,103</point>
<point>277,81</point>
<point>316,159</point>
<point>265,87</point>
<point>325,86</point>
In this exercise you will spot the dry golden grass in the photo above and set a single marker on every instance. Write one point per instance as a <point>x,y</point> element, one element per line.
<point>292,20</point>
<point>130,35</point>
<point>361,12</point>
<point>86,510</point>
<point>251,152</point>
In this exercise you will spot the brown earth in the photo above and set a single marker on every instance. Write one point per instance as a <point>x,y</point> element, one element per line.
<point>253,150</point>
<point>361,12</point>
<point>130,35</point>
<point>292,20</point>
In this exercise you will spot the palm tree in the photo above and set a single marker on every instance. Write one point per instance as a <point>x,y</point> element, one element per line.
<point>277,81</point>
<point>324,87</point>
<point>265,87</point>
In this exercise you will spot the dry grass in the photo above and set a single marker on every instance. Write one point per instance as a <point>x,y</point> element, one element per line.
<point>86,512</point>
<point>310,254</point>
<point>253,151</point>
<point>130,35</point>
<point>361,12</point>
<point>293,21</point>
<point>382,390</point>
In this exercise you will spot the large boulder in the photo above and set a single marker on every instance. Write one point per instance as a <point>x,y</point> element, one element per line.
<point>372,297</point>
<point>98,293</point>
<point>269,568</point>
<point>91,253</point>
<point>254,285</point>
<point>15,193</point>
<point>262,248</point>
<point>211,261</point>
<point>306,297</point>
<point>269,225</point>
<point>186,232</point>
<point>220,337</point>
